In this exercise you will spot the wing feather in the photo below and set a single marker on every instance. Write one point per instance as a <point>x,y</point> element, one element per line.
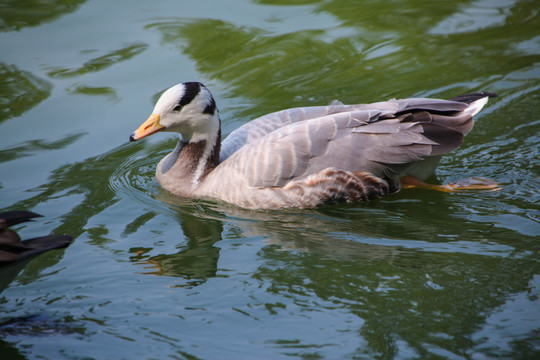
<point>380,138</point>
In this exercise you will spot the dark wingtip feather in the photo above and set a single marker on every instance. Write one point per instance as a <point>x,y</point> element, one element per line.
<point>469,98</point>
<point>447,138</point>
<point>17,216</point>
<point>49,242</point>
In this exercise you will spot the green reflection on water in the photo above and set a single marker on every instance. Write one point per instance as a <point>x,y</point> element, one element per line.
<point>101,62</point>
<point>20,91</point>
<point>306,66</point>
<point>34,146</point>
<point>419,274</point>
<point>413,296</point>
<point>17,14</point>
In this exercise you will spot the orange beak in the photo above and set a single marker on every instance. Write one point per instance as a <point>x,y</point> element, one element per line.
<point>150,126</point>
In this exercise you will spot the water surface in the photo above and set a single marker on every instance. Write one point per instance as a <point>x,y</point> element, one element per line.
<point>151,276</point>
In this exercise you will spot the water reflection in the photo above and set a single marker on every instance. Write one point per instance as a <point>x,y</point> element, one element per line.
<point>104,180</point>
<point>359,260</point>
<point>196,259</point>
<point>420,274</point>
<point>10,351</point>
<point>476,16</point>
<point>350,263</point>
<point>381,262</point>
<point>17,14</point>
<point>20,91</point>
<point>397,301</point>
<point>88,178</point>
<point>106,91</point>
<point>101,62</point>
<point>31,147</point>
<point>36,325</point>
<point>33,326</point>
<point>307,67</point>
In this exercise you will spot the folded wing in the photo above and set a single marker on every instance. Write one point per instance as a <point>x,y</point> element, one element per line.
<point>380,138</point>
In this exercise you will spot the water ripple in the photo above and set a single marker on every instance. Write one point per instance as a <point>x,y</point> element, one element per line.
<point>134,178</point>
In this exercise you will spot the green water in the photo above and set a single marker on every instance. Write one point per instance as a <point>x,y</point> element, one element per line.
<point>418,275</point>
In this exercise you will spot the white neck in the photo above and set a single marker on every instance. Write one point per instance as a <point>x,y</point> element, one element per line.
<point>205,157</point>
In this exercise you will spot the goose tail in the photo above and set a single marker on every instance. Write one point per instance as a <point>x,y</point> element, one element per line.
<point>476,101</point>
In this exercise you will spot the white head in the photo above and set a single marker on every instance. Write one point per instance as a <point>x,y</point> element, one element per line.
<point>186,108</point>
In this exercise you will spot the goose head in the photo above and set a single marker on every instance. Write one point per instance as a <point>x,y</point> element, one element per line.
<point>188,109</point>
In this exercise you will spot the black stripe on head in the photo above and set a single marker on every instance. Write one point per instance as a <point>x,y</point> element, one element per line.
<point>210,108</point>
<point>192,89</point>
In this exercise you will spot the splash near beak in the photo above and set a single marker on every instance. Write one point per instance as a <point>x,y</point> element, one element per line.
<point>150,126</point>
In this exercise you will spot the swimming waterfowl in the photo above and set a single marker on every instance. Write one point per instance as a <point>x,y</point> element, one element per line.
<point>13,249</point>
<point>310,156</point>
<point>14,252</point>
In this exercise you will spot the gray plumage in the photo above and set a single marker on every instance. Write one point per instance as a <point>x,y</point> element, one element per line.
<point>306,157</point>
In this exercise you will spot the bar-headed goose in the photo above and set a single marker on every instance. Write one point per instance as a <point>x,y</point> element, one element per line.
<point>306,157</point>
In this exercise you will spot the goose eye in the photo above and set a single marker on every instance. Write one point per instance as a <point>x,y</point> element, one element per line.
<point>177,107</point>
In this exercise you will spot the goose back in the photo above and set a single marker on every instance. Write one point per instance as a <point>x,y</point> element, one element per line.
<point>377,138</point>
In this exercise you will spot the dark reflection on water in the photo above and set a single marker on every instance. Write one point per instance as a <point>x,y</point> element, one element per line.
<point>10,351</point>
<point>88,178</point>
<point>36,325</point>
<point>196,259</point>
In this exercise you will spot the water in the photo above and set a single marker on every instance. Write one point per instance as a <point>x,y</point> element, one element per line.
<point>150,276</point>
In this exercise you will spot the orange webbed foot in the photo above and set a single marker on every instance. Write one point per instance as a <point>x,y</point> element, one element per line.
<point>468,184</point>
